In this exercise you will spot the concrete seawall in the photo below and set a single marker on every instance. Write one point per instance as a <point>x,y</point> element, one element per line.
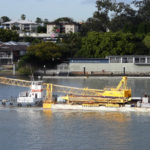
<point>110,68</point>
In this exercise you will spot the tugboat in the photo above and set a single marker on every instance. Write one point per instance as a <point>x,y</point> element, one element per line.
<point>33,97</point>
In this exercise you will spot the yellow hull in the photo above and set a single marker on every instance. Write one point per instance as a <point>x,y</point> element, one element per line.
<point>47,105</point>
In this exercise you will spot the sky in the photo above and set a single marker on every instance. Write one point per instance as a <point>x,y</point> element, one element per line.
<point>79,10</point>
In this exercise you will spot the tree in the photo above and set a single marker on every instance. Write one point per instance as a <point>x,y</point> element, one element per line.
<point>31,40</point>
<point>124,15</point>
<point>45,22</point>
<point>147,41</point>
<point>64,19</point>
<point>15,28</point>
<point>104,6</point>
<point>8,35</point>
<point>84,29</point>
<point>56,29</point>
<point>38,20</point>
<point>110,16</point>
<point>100,20</point>
<point>129,28</point>
<point>143,27</point>
<point>23,17</point>
<point>97,45</point>
<point>45,53</point>
<point>98,23</point>
<point>5,19</point>
<point>89,47</point>
<point>71,44</point>
<point>143,11</point>
<point>140,45</point>
<point>41,29</point>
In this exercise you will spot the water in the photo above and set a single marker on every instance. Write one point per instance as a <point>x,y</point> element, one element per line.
<point>37,129</point>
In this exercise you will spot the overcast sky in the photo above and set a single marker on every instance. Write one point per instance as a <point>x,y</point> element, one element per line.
<point>51,9</point>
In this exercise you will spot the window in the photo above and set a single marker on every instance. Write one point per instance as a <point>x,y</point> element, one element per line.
<point>115,59</point>
<point>148,60</point>
<point>142,60</point>
<point>130,59</point>
<point>118,60</point>
<point>124,60</point>
<point>112,60</point>
<point>137,60</point>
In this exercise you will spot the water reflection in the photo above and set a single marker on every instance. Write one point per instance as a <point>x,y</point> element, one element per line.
<point>109,116</point>
<point>116,116</point>
<point>109,129</point>
<point>35,128</point>
<point>47,113</point>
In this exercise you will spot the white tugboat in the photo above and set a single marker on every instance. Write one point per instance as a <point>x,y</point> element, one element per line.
<point>32,97</point>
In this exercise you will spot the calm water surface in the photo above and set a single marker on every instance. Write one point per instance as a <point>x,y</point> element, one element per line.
<point>34,128</point>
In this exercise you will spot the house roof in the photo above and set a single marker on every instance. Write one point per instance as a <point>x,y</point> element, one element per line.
<point>63,23</point>
<point>19,22</point>
<point>16,43</point>
<point>14,46</point>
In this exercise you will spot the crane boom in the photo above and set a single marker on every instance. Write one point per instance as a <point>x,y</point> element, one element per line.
<point>16,82</point>
<point>122,84</point>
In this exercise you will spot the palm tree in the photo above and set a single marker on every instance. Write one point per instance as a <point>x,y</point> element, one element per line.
<point>23,17</point>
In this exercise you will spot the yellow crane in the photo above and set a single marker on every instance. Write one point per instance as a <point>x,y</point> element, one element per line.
<point>111,97</point>
<point>84,96</point>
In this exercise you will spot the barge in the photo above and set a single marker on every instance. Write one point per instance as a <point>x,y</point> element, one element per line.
<point>108,99</point>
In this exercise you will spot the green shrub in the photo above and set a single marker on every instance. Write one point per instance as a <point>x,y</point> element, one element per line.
<point>24,71</point>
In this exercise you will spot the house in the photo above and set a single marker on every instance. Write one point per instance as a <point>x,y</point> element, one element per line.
<point>21,26</point>
<point>10,52</point>
<point>72,27</point>
<point>62,27</point>
<point>53,29</point>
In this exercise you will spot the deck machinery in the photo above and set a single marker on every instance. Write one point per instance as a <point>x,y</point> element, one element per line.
<point>109,97</point>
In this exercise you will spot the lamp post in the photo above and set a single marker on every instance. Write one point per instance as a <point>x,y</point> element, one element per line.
<point>124,70</point>
<point>44,69</point>
<point>14,69</point>
<point>84,70</point>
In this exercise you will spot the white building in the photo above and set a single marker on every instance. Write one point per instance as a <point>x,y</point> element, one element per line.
<point>55,28</point>
<point>21,25</point>
<point>71,28</point>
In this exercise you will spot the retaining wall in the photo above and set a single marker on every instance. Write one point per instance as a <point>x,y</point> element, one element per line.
<point>119,68</point>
